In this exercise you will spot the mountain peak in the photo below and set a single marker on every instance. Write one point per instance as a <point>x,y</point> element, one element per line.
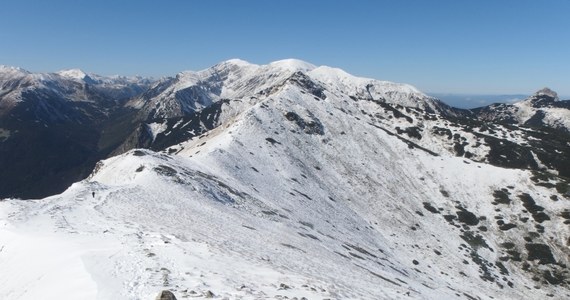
<point>237,61</point>
<point>546,92</point>
<point>10,69</point>
<point>543,98</point>
<point>73,74</point>
<point>292,65</point>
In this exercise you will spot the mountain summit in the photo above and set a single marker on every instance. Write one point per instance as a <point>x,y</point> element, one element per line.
<point>289,180</point>
<point>548,93</point>
<point>74,74</point>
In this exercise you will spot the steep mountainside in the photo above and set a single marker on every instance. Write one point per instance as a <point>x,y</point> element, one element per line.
<point>52,127</point>
<point>289,180</point>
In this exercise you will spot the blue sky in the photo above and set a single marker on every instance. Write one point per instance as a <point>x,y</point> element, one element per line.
<point>483,47</point>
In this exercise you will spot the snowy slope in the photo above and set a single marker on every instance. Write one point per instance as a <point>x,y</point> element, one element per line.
<point>303,192</point>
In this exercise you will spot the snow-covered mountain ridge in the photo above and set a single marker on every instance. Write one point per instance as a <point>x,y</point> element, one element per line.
<point>309,185</point>
<point>47,92</point>
<point>237,79</point>
<point>398,108</point>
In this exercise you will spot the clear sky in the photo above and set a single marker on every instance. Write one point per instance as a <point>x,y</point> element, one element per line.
<point>506,46</point>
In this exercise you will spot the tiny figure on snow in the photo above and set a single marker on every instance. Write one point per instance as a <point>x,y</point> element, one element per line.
<point>93,194</point>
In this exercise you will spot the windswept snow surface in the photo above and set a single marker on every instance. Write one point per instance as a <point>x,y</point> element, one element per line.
<point>295,196</point>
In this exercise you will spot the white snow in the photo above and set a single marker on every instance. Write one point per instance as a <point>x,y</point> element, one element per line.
<point>76,74</point>
<point>292,65</point>
<point>156,128</point>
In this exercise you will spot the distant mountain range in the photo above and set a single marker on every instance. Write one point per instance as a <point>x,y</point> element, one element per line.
<point>279,180</point>
<point>468,101</point>
<point>56,126</point>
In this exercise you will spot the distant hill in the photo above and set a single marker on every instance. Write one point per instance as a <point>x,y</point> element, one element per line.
<point>476,100</point>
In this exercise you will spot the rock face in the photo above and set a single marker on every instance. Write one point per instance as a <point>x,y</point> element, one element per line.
<point>166,295</point>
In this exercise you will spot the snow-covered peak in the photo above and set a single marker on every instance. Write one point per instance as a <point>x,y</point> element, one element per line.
<point>7,72</point>
<point>236,62</point>
<point>338,77</point>
<point>367,88</point>
<point>5,69</point>
<point>335,76</point>
<point>292,64</point>
<point>76,74</point>
<point>542,98</point>
<point>326,73</point>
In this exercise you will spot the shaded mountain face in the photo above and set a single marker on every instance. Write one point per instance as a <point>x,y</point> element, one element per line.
<point>332,186</point>
<point>54,127</point>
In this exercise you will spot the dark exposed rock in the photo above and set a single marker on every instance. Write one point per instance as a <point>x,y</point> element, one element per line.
<point>430,208</point>
<point>442,132</point>
<point>535,210</point>
<point>502,197</point>
<point>165,295</point>
<point>540,252</point>
<point>208,294</point>
<point>310,126</point>
<point>504,153</point>
<point>553,277</point>
<point>412,132</point>
<point>272,141</point>
<point>165,170</point>
<point>467,217</point>
<point>475,240</point>
<point>307,84</point>
<point>507,226</point>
